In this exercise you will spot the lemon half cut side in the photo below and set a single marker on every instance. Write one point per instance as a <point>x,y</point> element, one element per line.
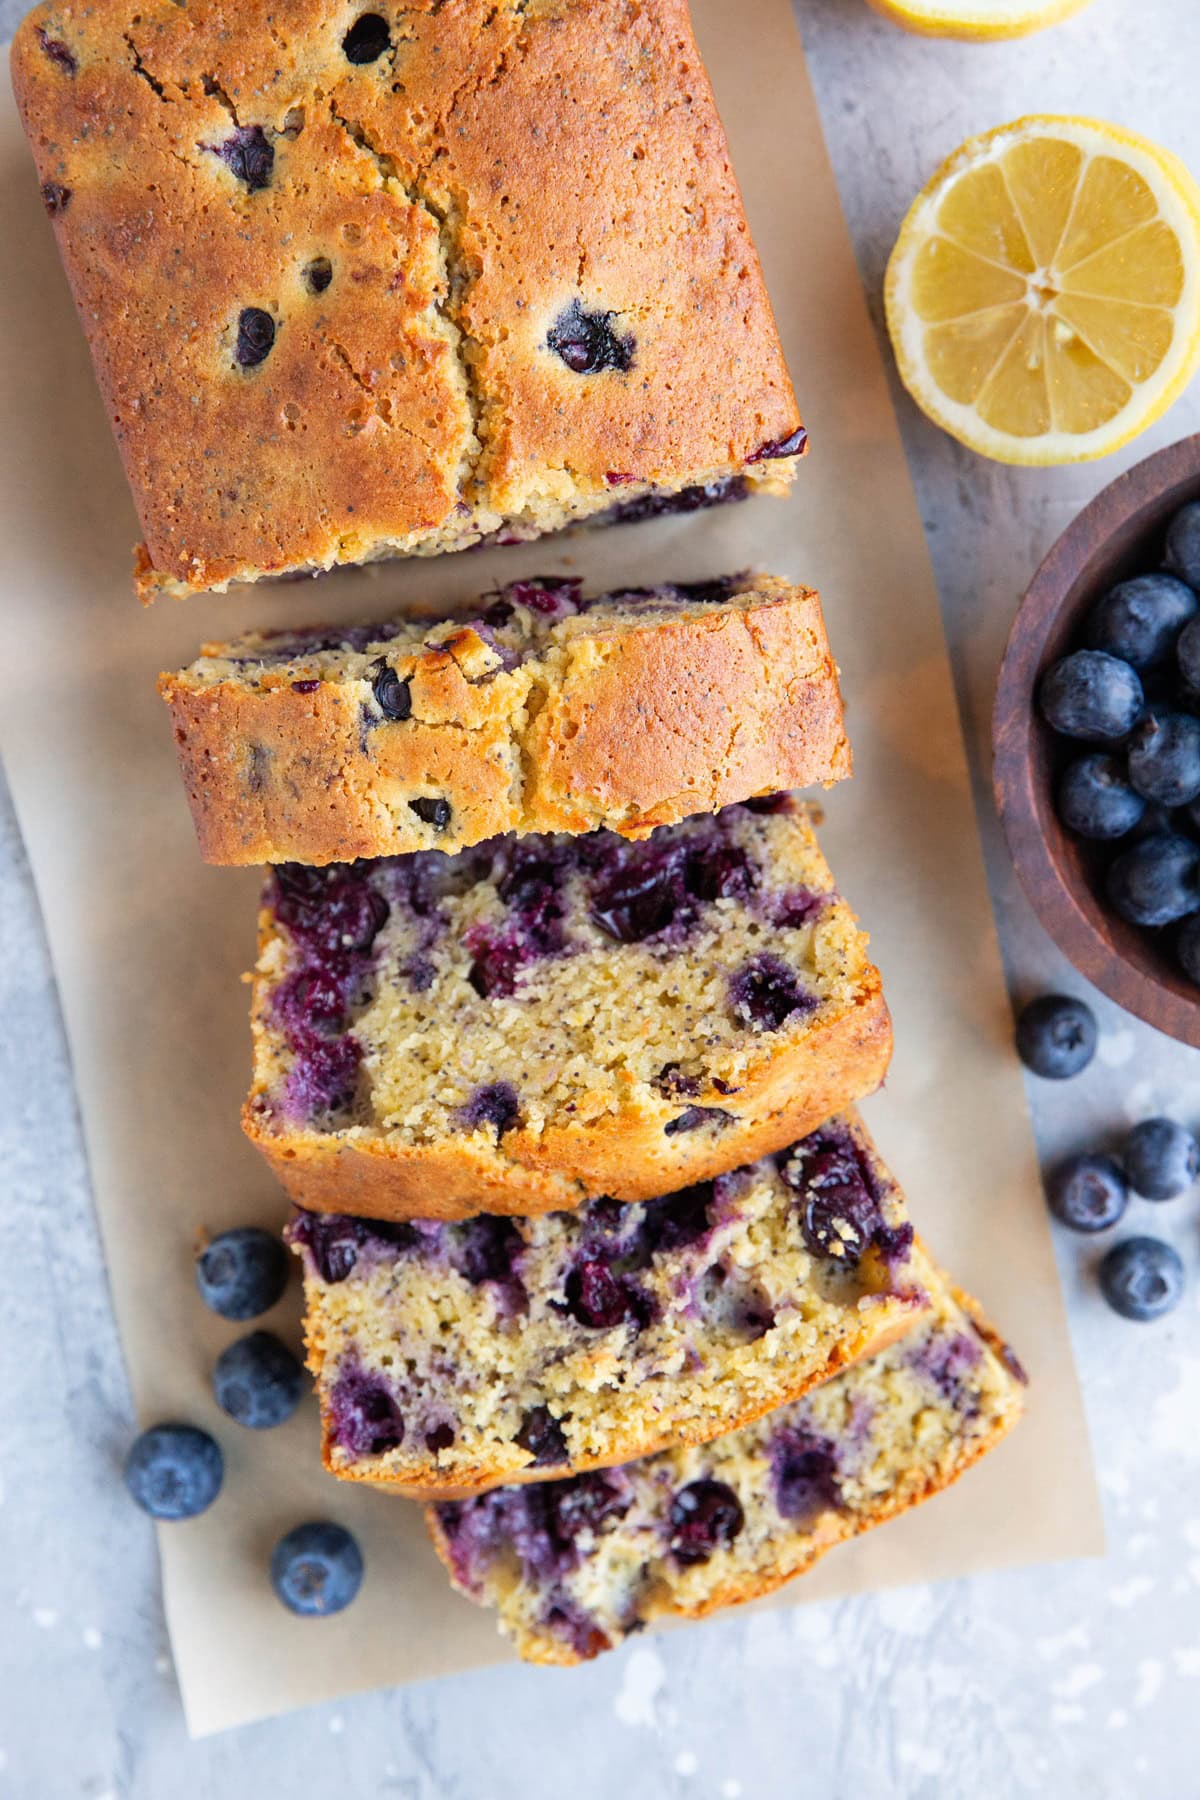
<point>1043,297</point>
<point>976,19</point>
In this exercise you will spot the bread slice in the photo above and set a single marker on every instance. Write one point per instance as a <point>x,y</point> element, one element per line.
<point>540,1021</point>
<point>545,712</point>
<point>452,1358</point>
<point>574,1566</point>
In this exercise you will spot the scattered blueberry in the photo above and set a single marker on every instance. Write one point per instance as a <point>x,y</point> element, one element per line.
<point>55,197</point>
<point>1161,1159</point>
<point>439,1437</point>
<point>392,696</point>
<point>1091,695</point>
<point>1183,544</point>
<point>1096,801</point>
<point>174,1471</point>
<point>1056,1036</point>
<point>705,1516</point>
<point>1142,1278</point>
<point>365,1419</point>
<point>600,1299</point>
<point>367,39</point>
<point>242,1273</point>
<point>317,1569</point>
<point>255,336</point>
<point>1164,757</point>
<point>258,1381</point>
<point>586,341</point>
<point>1156,881</point>
<point>1139,620</point>
<point>1087,1192</point>
<point>318,274</point>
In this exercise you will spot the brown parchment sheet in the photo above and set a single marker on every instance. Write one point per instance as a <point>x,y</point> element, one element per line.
<point>148,943</point>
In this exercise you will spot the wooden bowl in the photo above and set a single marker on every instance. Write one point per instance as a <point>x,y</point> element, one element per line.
<point>1118,535</point>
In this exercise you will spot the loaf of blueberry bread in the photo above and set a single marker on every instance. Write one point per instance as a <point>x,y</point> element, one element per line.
<point>366,281</point>
<point>543,1020</point>
<point>574,1566</point>
<point>450,1358</point>
<point>546,712</point>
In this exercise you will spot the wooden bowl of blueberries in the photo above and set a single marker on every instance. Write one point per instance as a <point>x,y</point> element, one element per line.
<point>1096,741</point>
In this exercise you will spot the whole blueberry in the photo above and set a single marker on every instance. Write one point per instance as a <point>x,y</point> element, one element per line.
<point>1056,1036</point>
<point>1096,801</point>
<point>1091,695</point>
<point>1187,949</point>
<point>1142,1278</point>
<point>1164,757</point>
<point>174,1471</point>
<point>242,1273</point>
<point>1139,620</point>
<point>1183,544</point>
<point>1087,1192</point>
<point>1187,653</point>
<point>1154,882</point>
<point>317,1569</point>
<point>258,1381</point>
<point>705,1516</point>
<point>1161,1159</point>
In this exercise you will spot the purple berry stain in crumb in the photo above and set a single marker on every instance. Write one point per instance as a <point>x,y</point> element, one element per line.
<point>323,1076</point>
<point>598,1297</point>
<point>439,1437</point>
<point>488,1248</point>
<point>494,1107</point>
<point>551,597</point>
<point>579,1506</point>
<point>255,337</point>
<point>364,1417</point>
<point>764,994</point>
<point>533,929</point>
<point>705,1516</point>
<point>805,1473</point>
<point>642,890</point>
<point>684,500</point>
<point>543,1437</point>
<point>671,1223</point>
<point>334,1240</point>
<point>55,197</point>
<point>248,154</point>
<point>57,51</point>
<point>791,445</point>
<point>841,1203</point>
<point>945,1361</point>
<point>587,343</point>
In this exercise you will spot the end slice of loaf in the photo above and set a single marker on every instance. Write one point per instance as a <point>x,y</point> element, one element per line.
<point>451,1358</point>
<point>546,712</point>
<point>573,1567</point>
<point>540,1021</point>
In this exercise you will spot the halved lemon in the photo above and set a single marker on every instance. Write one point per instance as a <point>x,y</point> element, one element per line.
<point>1043,297</point>
<point>975,19</point>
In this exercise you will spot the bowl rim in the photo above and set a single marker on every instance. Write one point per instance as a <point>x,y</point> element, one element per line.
<point>1074,563</point>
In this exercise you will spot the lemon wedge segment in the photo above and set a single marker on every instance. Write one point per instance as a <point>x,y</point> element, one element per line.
<point>976,19</point>
<point>1043,297</point>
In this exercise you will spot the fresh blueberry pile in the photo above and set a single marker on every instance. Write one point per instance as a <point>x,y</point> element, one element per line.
<point>175,1471</point>
<point>1141,1277</point>
<point>1129,697</point>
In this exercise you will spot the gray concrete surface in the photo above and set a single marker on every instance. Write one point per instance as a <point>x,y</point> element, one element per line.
<point>1082,1679</point>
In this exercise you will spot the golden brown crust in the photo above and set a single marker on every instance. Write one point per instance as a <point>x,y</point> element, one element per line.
<point>628,725</point>
<point>839,1060</point>
<point>412,402</point>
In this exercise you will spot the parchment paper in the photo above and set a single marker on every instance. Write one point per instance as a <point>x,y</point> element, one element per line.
<point>148,943</point>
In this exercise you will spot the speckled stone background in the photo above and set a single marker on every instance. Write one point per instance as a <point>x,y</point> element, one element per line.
<point>1078,1680</point>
